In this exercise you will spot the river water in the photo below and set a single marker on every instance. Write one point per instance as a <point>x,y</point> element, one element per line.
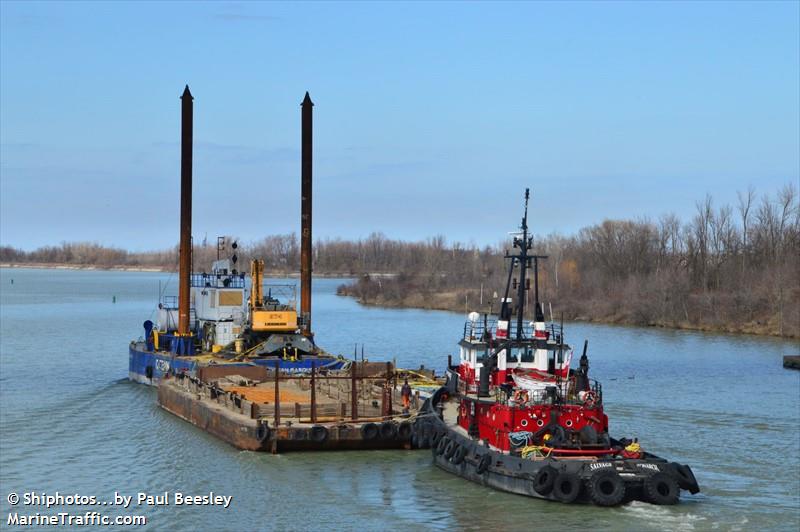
<point>71,422</point>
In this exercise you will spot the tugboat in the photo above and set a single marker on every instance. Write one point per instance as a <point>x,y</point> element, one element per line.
<point>212,321</point>
<point>515,416</point>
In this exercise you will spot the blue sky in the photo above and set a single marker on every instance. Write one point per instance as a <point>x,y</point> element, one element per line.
<point>430,118</point>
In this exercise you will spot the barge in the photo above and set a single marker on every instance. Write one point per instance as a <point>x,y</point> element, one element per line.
<point>258,409</point>
<point>222,317</point>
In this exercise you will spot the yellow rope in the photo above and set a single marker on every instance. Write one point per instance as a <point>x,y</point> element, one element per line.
<point>536,451</point>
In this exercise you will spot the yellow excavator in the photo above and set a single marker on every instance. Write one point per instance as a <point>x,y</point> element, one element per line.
<point>268,314</point>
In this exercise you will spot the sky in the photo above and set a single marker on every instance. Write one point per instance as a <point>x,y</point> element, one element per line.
<point>429,118</point>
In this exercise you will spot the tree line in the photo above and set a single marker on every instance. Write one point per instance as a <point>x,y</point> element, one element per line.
<point>733,268</point>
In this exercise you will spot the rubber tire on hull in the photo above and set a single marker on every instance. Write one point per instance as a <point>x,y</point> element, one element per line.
<point>388,430</point>
<point>442,445</point>
<point>435,438</point>
<point>567,487</point>
<point>544,480</point>
<point>483,463</point>
<point>606,488</point>
<point>450,450</point>
<point>319,434</point>
<point>459,455</point>
<point>685,477</point>
<point>405,430</point>
<point>661,488</point>
<point>369,431</point>
<point>423,435</point>
<point>262,432</point>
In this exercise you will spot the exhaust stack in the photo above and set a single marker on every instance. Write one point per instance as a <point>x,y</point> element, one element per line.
<point>305,215</point>
<point>184,343</point>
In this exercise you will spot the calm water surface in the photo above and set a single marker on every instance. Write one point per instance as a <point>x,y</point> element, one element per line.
<point>71,422</point>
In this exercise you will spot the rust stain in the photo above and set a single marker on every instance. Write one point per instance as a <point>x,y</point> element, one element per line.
<point>263,395</point>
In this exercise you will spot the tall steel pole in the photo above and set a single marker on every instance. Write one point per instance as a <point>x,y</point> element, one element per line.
<point>305,214</point>
<point>185,264</point>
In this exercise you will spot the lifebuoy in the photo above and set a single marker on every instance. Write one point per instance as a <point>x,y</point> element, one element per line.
<point>606,488</point>
<point>388,430</point>
<point>459,455</point>
<point>483,463</point>
<point>369,431</point>
<point>590,399</point>
<point>661,488</point>
<point>319,433</point>
<point>567,487</point>
<point>404,430</point>
<point>544,480</point>
<point>262,432</point>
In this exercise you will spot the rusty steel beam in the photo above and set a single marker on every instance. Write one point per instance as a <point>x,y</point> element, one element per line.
<point>353,392</point>
<point>185,264</point>
<point>305,213</point>
<point>277,393</point>
<point>313,392</point>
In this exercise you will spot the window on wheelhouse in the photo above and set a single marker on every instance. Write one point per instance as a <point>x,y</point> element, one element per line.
<point>524,354</point>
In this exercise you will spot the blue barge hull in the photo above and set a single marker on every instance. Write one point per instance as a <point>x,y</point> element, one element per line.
<point>149,367</point>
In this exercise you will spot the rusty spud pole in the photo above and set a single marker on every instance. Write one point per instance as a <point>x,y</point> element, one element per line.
<point>305,213</point>
<point>185,264</point>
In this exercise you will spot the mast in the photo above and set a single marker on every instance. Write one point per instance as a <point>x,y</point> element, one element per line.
<point>524,245</point>
<point>305,214</point>
<point>185,263</point>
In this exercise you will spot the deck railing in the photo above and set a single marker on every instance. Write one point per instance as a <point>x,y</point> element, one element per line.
<point>476,331</point>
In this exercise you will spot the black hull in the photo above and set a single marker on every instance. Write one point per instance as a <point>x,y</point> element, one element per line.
<point>602,481</point>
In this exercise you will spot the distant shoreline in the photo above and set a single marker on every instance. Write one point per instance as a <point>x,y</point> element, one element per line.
<point>763,330</point>
<point>61,266</point>
<point>150,269</point>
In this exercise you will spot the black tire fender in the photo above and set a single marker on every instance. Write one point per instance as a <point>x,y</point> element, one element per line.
<point>606,488</point>
<point>388,430</point>
<point>451,449</point>
<point>544,480</point>
<point>442,445</point>
<point>483,463</point>
<point>661,488</point>
<point>422,435</point>
<point>685,477</point>
<point>405,430</point>
<point>459,455</point>
<point>262,432</point>
<point>567,487</point>
<point>436,437</point>
<point>319,433</point>
<point>369,431</point>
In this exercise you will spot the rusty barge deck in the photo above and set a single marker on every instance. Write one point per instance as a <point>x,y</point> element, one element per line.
<point>355,410</point>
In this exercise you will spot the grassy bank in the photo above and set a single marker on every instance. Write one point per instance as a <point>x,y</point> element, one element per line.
<point>592,311</point>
